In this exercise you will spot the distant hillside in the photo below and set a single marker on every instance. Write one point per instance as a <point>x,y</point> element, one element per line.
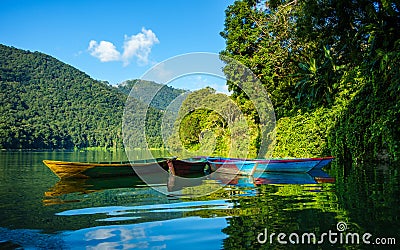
<point>47,104</point>
<point>160,101</point>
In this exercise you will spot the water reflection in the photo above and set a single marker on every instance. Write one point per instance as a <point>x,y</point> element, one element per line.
<point>84,186</point>
<point>367,201</point>
<point>124,212</point>
<point>230,213</point>
<point>172,234</point>
<point>176,186</point>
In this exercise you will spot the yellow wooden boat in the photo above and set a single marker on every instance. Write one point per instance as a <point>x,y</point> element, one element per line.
<point>65,169</point>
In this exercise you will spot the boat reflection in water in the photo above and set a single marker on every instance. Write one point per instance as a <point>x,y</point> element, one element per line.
<point>85,186</point>
<point>312,177</point>
<point>89,185</point>
<point>174,185</point>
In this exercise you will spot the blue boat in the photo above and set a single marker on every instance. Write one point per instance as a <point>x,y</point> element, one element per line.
<point>250,166</point>
<point>324,161</point>
<point>230,166</point>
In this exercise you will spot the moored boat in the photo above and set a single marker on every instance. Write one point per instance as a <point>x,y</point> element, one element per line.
<point>230,166</point>
<point>187,166</point>
<point>299,165</point>
<point>250,166</point>
<point>323,162</point>
<point>64,169</point>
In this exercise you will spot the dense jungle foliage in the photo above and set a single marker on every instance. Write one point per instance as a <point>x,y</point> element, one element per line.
<point>47,104</point>
<point>210,123</point>
<point>331,69</point>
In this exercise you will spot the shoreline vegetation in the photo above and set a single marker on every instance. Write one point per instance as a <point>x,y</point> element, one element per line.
<point>332,72</point>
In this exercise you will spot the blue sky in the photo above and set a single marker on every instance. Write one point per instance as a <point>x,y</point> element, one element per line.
<point>116,40</point>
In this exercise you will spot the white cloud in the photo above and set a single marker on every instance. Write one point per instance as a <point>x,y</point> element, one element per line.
<point>105,51</point>
<point>139,46</point>
<point>136,46</point>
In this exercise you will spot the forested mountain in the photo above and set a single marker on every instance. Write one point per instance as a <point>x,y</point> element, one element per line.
<point>158,95</point>
<point>47,104</point>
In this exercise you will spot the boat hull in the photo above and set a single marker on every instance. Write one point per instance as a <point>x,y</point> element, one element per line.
<point>102,170</point>
<point>296,165</point>
<point>233,167</point>
<point>66,170</point>
<point>290,166</point>
<point>187,167</point>
<point>323,162</point>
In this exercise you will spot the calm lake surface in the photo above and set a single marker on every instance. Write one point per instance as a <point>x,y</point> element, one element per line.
<point>38,211</point>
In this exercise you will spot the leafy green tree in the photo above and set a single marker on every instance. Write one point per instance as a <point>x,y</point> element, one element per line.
<point>335,57</point>
<point>260,35</point>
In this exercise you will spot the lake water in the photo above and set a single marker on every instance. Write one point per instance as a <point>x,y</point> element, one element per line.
<point>344,207</point>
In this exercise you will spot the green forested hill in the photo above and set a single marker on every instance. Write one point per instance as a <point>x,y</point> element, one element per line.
<point>161,100</point>
<point>47,104</point>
